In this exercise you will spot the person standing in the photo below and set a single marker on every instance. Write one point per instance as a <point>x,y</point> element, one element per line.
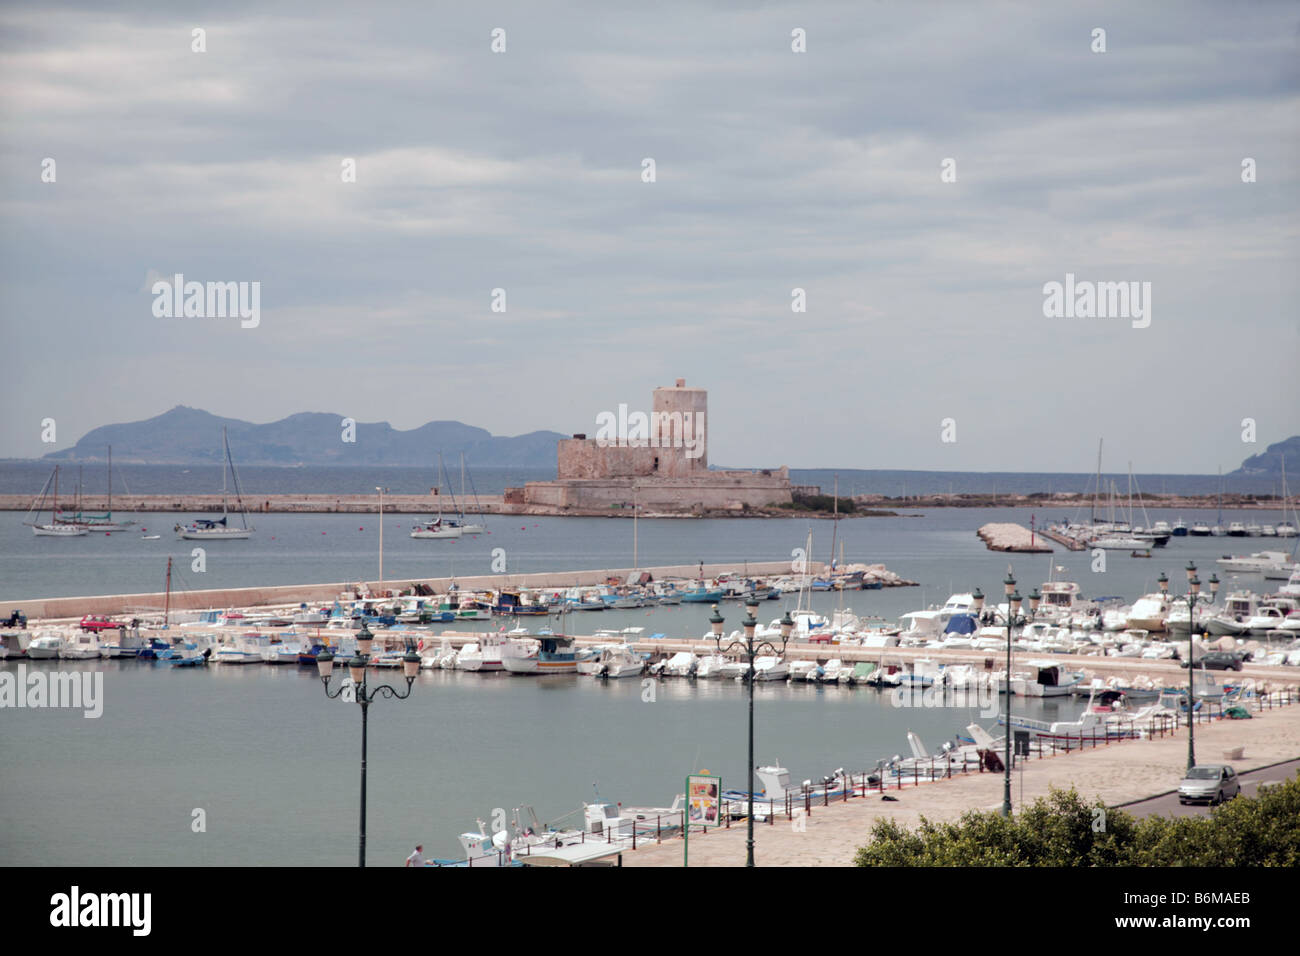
<point>416,858</point>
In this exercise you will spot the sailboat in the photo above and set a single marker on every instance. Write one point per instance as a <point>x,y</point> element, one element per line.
<point>56,528</point>
<point>477,527</point>
<point>1117,536</point>
<point>440,527</point>
<point>102,522</point>
<point>218,529</point>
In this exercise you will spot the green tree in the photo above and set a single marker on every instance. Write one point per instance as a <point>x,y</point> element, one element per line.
<point>1063,830</point>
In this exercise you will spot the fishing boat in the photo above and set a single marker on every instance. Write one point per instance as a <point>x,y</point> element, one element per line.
<point>82,646</point>
<point>219,529</point>
<point>548,654</point>
<point>55,528</point>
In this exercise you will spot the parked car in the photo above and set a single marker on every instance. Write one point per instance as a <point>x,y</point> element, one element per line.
<point>97,622</point>
<point>1213,783</point>
<point>1218,661</point>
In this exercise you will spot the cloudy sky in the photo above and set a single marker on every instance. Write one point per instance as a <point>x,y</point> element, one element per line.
<point>774,170</point>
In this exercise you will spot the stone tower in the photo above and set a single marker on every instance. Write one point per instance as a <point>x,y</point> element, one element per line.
<point>680,421</point>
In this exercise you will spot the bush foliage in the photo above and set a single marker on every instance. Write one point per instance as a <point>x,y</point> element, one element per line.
<point>1061,830</point>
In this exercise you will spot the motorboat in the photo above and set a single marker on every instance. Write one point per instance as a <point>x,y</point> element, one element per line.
<point>242,650</point>
<point>1119,542</point>
<point>1045,679</point>
<point>1148,612</point>
<point>46,644</point>
<point>1200,529</point>
<point>681,664</point>
<point>619,661</point>
<point>709,666</point>
<point>1236,530</point>
<point>1255,563</point>
<point>1265,619</point>
<point>281,652</point>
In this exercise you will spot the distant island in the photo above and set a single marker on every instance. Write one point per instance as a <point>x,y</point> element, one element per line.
<point>183,436</point>
<point>1269,462</point>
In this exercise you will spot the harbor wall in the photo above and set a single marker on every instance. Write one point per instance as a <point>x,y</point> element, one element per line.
<point>712,491</point>
<point>289,594</point>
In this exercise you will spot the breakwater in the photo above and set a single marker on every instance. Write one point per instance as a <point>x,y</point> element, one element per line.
<point>293,594</point>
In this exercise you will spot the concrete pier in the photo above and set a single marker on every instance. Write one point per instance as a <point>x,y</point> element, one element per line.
<point>294,594</point>
<point>1005,536</point>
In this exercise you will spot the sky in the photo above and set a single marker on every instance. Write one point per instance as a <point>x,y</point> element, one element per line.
<point>523,170</point>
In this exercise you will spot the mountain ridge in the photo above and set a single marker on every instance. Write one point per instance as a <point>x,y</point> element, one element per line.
<point>1269,461</point>
<point>183,435</point>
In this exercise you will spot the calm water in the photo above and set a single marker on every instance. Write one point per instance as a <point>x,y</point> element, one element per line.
<point>26,477</point>
<point>937,548</point>
<point>275,765</point>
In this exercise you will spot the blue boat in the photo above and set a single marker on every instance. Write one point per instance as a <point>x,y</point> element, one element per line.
<point>702,596</point>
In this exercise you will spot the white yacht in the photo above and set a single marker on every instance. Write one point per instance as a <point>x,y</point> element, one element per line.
<point>1255,563</point>
<point>1200,529</point>
<point>218,529</point>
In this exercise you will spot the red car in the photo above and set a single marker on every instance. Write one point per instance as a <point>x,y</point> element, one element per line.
<point>97,622</point>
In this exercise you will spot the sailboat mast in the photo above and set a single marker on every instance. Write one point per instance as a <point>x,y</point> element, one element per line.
<point>167,601</point>
<point>110,481</point>
<point>835,525</point>
<point>1130,496</point>
<point>1219,520</point>
<point>636,561</point>
<point>1096,488</point>
<point>225,446</point>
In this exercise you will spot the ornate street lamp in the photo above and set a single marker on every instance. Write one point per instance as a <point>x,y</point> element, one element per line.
<point>751,650</point>
<point>359,690</point>
<point>1013,619</point>
<point>1193,593</point>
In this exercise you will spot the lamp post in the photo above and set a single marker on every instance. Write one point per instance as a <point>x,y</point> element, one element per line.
<point>381,540</point>
<point>364,695</point>
<point>751,651</point>
<point>1193,593</point>
<point>1013,619</point>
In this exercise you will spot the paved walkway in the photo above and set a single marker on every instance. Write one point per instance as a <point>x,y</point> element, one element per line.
<point>1118,773</point>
